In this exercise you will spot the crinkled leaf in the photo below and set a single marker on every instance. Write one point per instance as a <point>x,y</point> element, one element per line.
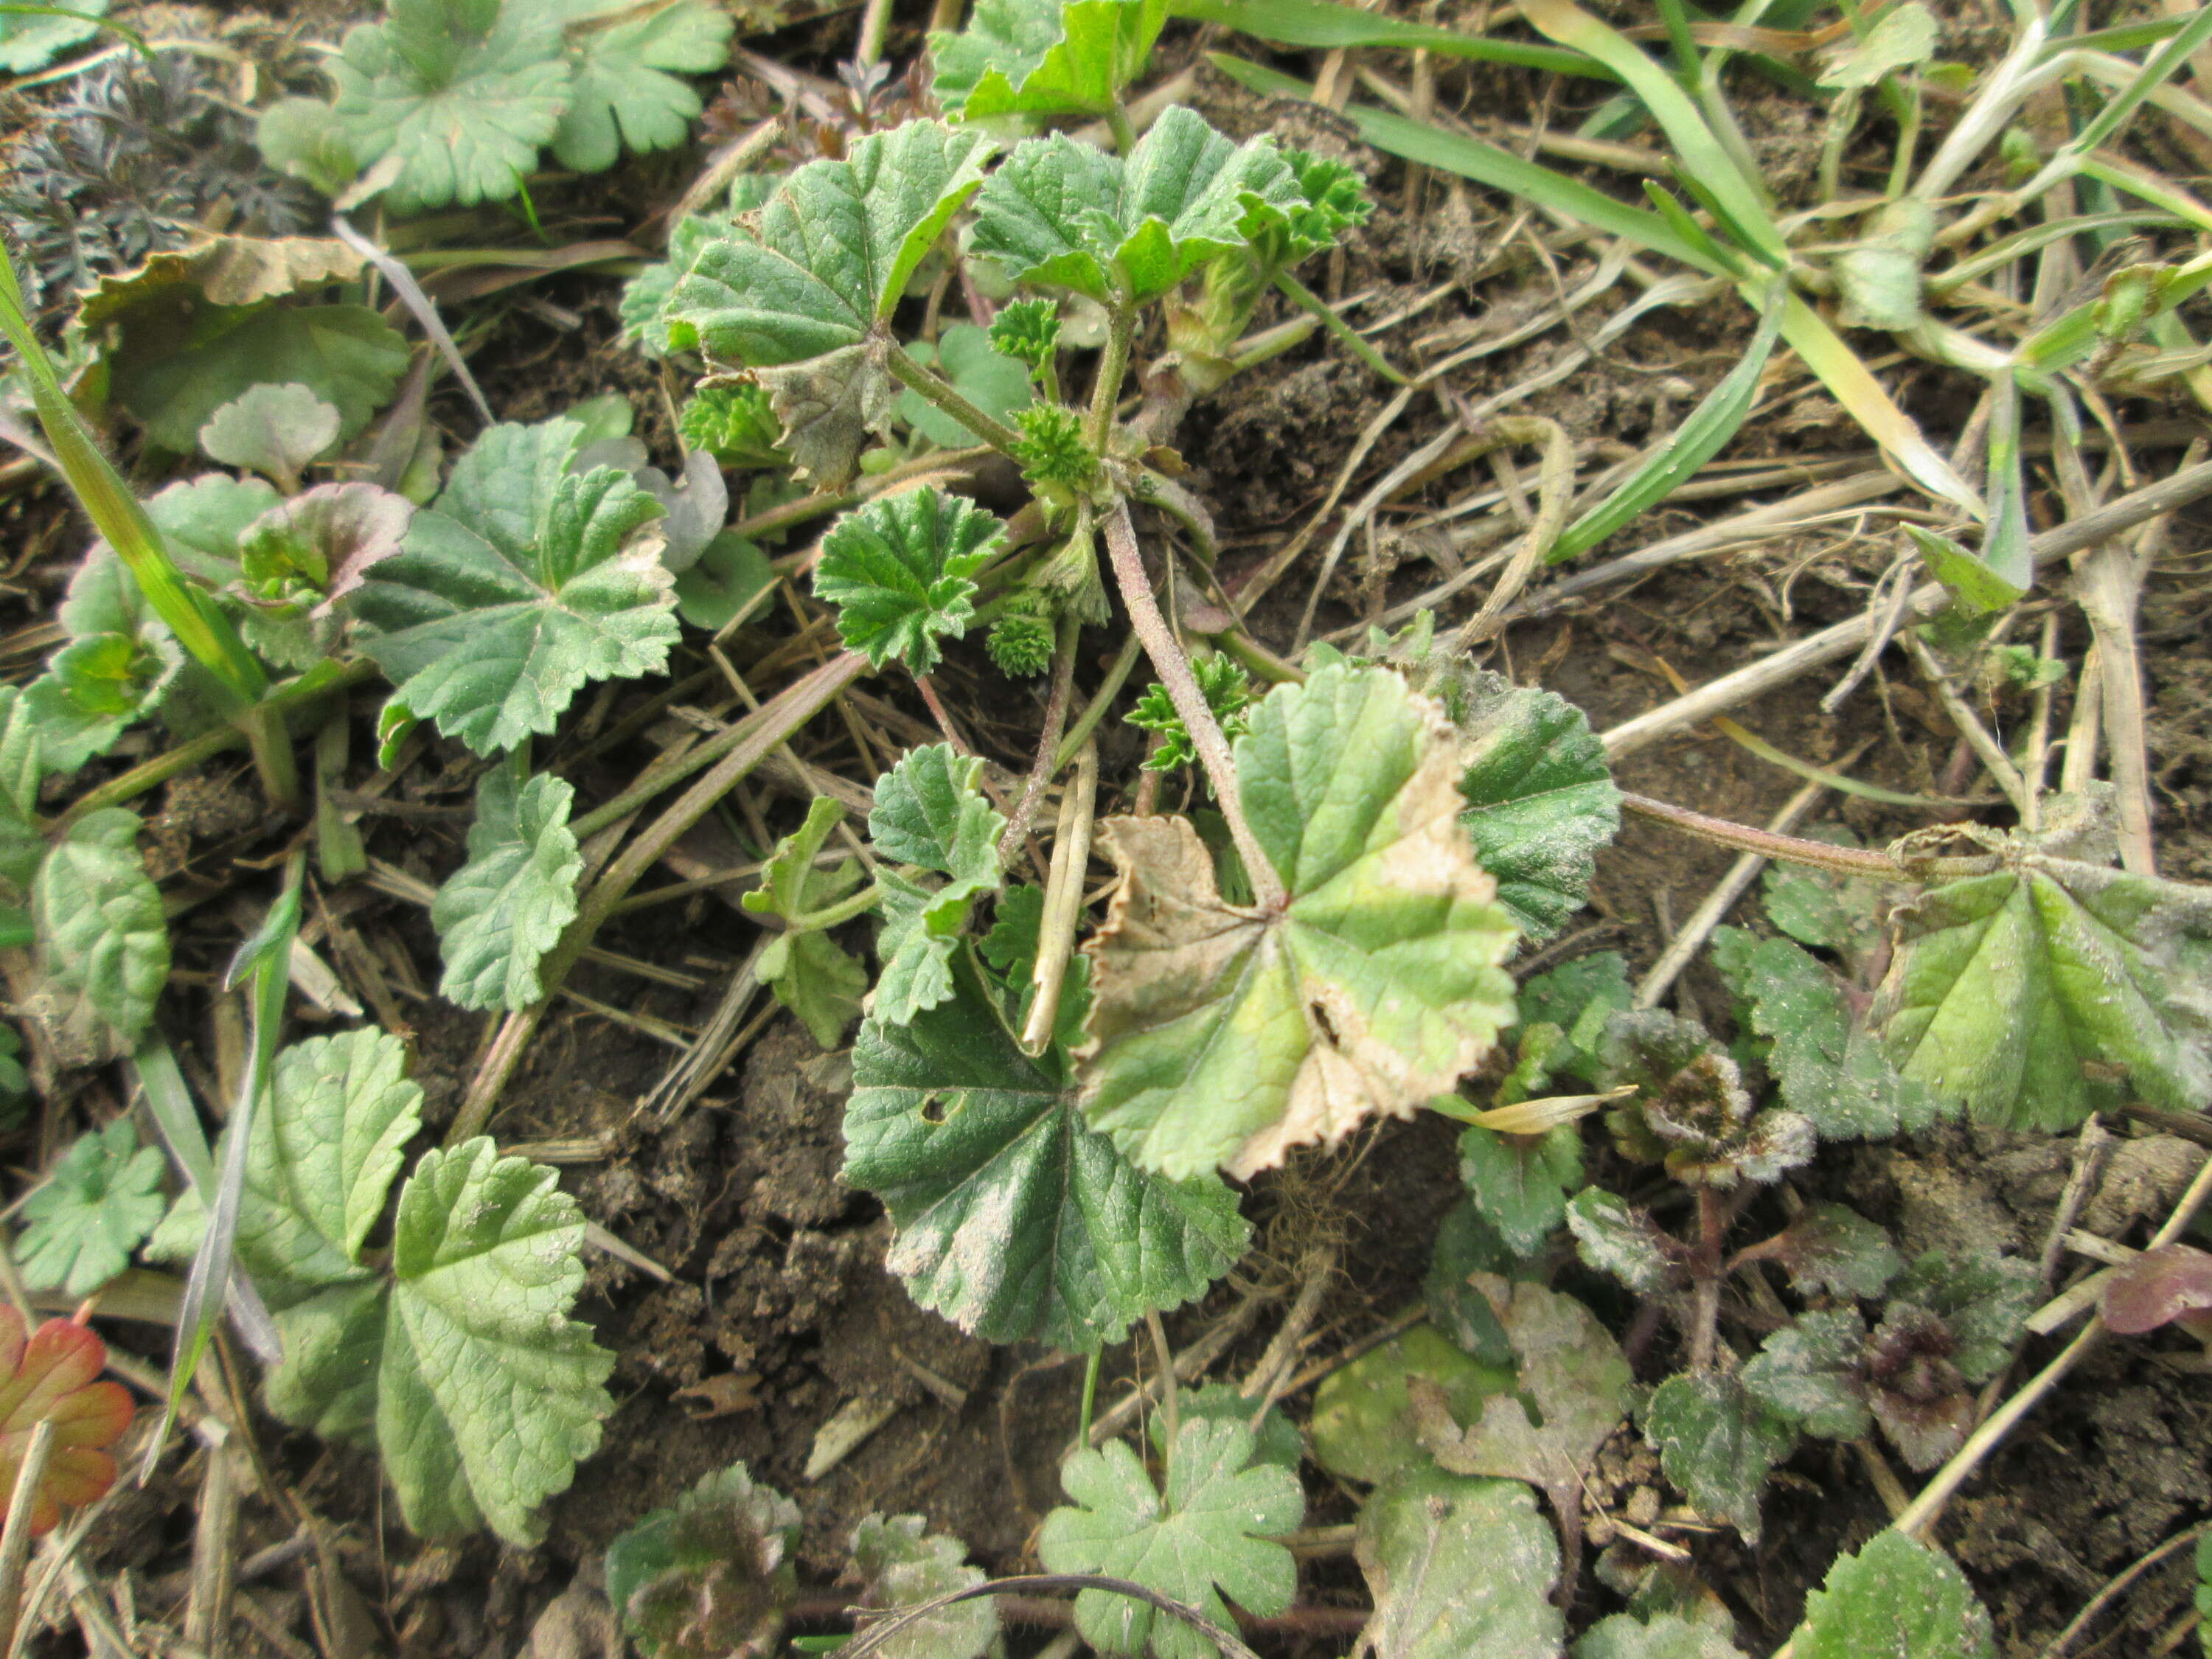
<point>993,383</point>
<point>22,764</point>
<point>1332,200</point>
<point>1277,1439</point>
<point>2052,988</point>
<point>1570,1367</point>
<point>103,940</point>
<point>1899,1599</point>
<point>643,308</point>
<point>101,1199</point>
<point>1224,1035</point>
<point>1228,692</point>
<point>202,521</point>
<point>519,585</point>
<point>1459,1569</point>
<point>1014,1220</point>
<point>1466,1245</point>
<point>1363,1426</point>
<point>811,975</point>
<point>120,662</point>
<point>500,912</point>
<point>225,270</point>
<point>1832,1248</point>
<point>1663,1636</point>
<point>1615,1239</point>
<point>181,362</point>
<point>1691,1110</point>
<point>459,96</point>
<point>320,546</point>
<point>1983,1298</point>
<point>1814,1372</point>
<point>1829,1068</point>
<point>489,1394</point>
<point>1520,1183</point>
<point>1064,215</point>
<point>275,430</point>
<point>1044,57</point>
<point>929,812</point>
<point>898,1563</point>
<point>51,1375</point>
<point>625,90</point>
<point>711,1578</point>
<point>831,251</point>
<point>1208,1535</point>
<point>31,42</point>
<point>897,570</point>
<point>1717,1441</point>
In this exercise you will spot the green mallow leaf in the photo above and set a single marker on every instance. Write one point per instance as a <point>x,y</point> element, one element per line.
<point>22,764</point>
<point>521,583</point>
<point>1014,1220</point>
<point>1223,1035</point>
<point>930,813</point>
<point>1064,215</point>
<point>643,308</point>
<point>1363,1426</point>
<point>1459,1569</point>
<point>1663,1636</point>
<point>1615,1239</point>
<point>802,293</point>
<point>1830,1070</point>
<point>489,1394</point>
<point>711,1578</point>
<point>1540,798</point>
<point>1814,1373</point>
<point>625,61</point>
<point>1897,1598</point>
<point>1717,1441</point>
<point>1333,199</point>
<point>897,570</point>
<point>1044,57</point>
<point>1466,1245</point>
<point>898,1563</point>
<point>811,975</point>
<point>500,912</point>
<point>182,361</point>
<point>1834,1248</point>
<point>101,1199</point>
<point>1520,1183</point>
<point>103,940</point>
<point>120,663</point>
<point>1579,997</point>
<point>1209,1534</point>
<point>1822,909</point>
<point>1571,1369</point>
<point>201,520</point>
<point>2053,988</point>
<point>455,97</point>
<point>734,425</point>
<point>1277,1439</point>
<point>1027,331</point>
<point>30,40</point>
<point>275,430</point>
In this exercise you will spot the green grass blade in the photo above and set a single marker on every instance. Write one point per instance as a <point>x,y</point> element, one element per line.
<point>1486,164</point>
<point>1688,229</point>
<point>1321,25</point>
<point>1699,438</point>
<point>1738,200</point>
<point>1945,283</point>
<point>2004,539</point>
<point>2133,181</point>
<point>2158,69</point>
<point>153,1069</point>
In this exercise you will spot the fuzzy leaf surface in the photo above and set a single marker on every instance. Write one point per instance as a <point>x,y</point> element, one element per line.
<point>1615,1239</point>
<point>1717,1441</point>
<point>897,570</point>
<point>103,940</point>
<point>1459,1569</point>
<point>1540,798</point>
<point>1663,1636</point>
<point>1224,1035</point>
<point>1520,1183</point>
<point>1064,215</point>
<point>811,975</point>
<point>1043,56</point>
<point>1899,1599</point>
<point>625,90</point>
<point>1812,1371</point>
<point>1982,1297</point>
<point>1208,1535</point>
<point>102,1198</point>
<point>459,94</point>
<point>2048,990</point>
<point>489,1394</point>
<point>1834,1248</point>
<point>520,584</point>
<point>1015,1220</point>
<point>899,1563</point>
<point>1570,1366</point>
<point>499,913</point>
<point>712,1576</point>
<point>1829,1068</point>
<point>643,308</point>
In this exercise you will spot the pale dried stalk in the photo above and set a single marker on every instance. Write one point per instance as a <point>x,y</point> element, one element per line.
<point>16,1537</point>
<point>1063,900</point>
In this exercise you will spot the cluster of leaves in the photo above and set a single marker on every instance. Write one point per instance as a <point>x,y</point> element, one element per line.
<point>450,101</point>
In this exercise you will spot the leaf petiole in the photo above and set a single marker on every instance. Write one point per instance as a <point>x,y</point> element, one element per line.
<point>911,375</point>
<point>814,921</point>
<point>1345,335</point>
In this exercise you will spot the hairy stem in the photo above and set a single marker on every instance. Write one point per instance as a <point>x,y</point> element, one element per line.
<point>1113,369</point>
<point>755,739</point>
<point>1817,854</point>
<point>1118,124</point>
<point>1705,1280</point>
<point>1175,672</point>
<point>941,392</point>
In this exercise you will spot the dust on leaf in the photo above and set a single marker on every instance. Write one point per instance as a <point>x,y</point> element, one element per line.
<point>1459,1569</point>
<point>1717,1441</point>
